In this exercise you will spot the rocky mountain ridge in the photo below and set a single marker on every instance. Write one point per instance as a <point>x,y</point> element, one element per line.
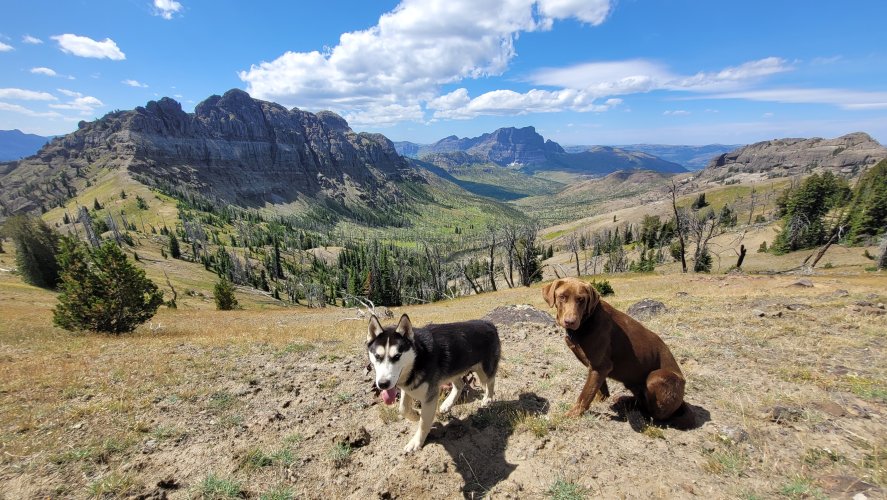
<point>232,148</point>
<point>526,149</point>
<point>847,154</point>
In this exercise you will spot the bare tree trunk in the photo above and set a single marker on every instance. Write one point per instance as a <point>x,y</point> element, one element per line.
<point>823,249</point>
<point>492,266</point>
<point>741,257</point>
<point>680,230</point>
<point>574,246</point>
<point>751,210</point>
<point>882,262</point>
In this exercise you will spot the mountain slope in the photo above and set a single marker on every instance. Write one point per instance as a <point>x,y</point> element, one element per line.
<point>15,144</point>
<point>232,150</point>
<point>848,154</point>
<point>690,157</point>
<point>525,149</point>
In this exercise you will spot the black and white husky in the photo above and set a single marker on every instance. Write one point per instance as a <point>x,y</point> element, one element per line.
<point>419,360</point>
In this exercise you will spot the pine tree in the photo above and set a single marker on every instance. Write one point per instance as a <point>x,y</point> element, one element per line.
<point>36,246</point>
<point>102,291</point>
<point>174,250</point>
<point>868,210</point>
<point>223,293</point>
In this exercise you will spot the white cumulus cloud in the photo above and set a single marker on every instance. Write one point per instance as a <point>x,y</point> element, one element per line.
<point>26,95</point>
<point>85,104</point>
<point>5,47</point>
<point>458,104</point>
<point>134,83</point>
<point>31,40</point>
<point>167,8</point>
<point>44,71</point>
<point>83,46</point>
<point>412,51</point>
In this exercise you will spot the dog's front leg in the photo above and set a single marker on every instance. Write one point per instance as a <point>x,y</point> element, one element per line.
<point>429,408</point>
<point>406,407</point>
<point>592,384</point>
<point>578,352</point>
<point>604,391</point>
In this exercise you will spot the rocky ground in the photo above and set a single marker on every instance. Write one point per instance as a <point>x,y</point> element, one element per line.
<point>787,382</point>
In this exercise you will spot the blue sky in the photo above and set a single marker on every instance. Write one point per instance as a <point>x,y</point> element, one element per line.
<point>580,71</point>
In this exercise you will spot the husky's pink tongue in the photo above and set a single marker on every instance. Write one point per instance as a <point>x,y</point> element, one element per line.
<point>389,395</point>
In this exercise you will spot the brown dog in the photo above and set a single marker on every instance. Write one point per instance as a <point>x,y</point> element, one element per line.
<point>612,344</point>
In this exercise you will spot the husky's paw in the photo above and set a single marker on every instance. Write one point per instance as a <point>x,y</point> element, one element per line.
<point>411,414</point>
<point>414,445</point>
<point>444,408</point>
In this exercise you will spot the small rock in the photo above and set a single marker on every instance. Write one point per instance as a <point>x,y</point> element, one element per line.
<point>78,425</point>
<point>803,282</point>
<point>841,293</point>
<point>830,408</point>
<point>781,414</point>
<point>759,313</point>
<point>733,435</point>
<point>356,438</point>
<point>169,483</point>
<point>646,308</point>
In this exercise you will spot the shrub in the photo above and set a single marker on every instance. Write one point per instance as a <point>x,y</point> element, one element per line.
<point>102,291</point>
<point>703,262</point>
<point>36,246</point>
<point>224,295</point>
<point>763,247</point>
<point>604,288</point>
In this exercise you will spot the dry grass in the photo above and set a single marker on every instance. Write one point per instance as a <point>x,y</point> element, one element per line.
<point>76,408</point>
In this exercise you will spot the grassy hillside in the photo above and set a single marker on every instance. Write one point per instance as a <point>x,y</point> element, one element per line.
<point>261,401</point>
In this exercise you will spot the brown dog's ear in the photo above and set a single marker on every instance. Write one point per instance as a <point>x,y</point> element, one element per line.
<point>374,329</point>
<point>405,327</point>
<point>594,299</point>
<point>548,292</point>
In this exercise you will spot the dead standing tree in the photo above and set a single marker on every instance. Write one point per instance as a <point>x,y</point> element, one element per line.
<point>882,261</point>
<point>573,245</point>
<point>678,226</point>
<point>491,241</point>
<point>527,254</point>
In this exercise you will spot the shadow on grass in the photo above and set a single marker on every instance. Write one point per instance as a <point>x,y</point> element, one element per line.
<point>688,417</point>
<point>477,442</point>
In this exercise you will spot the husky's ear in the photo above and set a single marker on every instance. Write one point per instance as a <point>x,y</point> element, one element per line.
<point>405,327</point>
<point>374,329</point>
<point>548,292</point>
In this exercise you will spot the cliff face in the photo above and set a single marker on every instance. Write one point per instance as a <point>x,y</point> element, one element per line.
<point>847,153</point>
<point>526,149</point>
<point>234,148</point>
<point>504,146</point>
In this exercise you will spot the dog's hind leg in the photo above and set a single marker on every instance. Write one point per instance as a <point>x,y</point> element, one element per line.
<point>453,396</point>
<point>664,393</point>
<point>489,384</point>
<point>429,408</point>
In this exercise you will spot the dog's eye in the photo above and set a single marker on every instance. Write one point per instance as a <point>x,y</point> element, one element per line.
<point>395,357</point>
<point>560,298</point>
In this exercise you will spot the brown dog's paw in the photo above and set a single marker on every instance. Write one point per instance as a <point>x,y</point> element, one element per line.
<point>575,412</point>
